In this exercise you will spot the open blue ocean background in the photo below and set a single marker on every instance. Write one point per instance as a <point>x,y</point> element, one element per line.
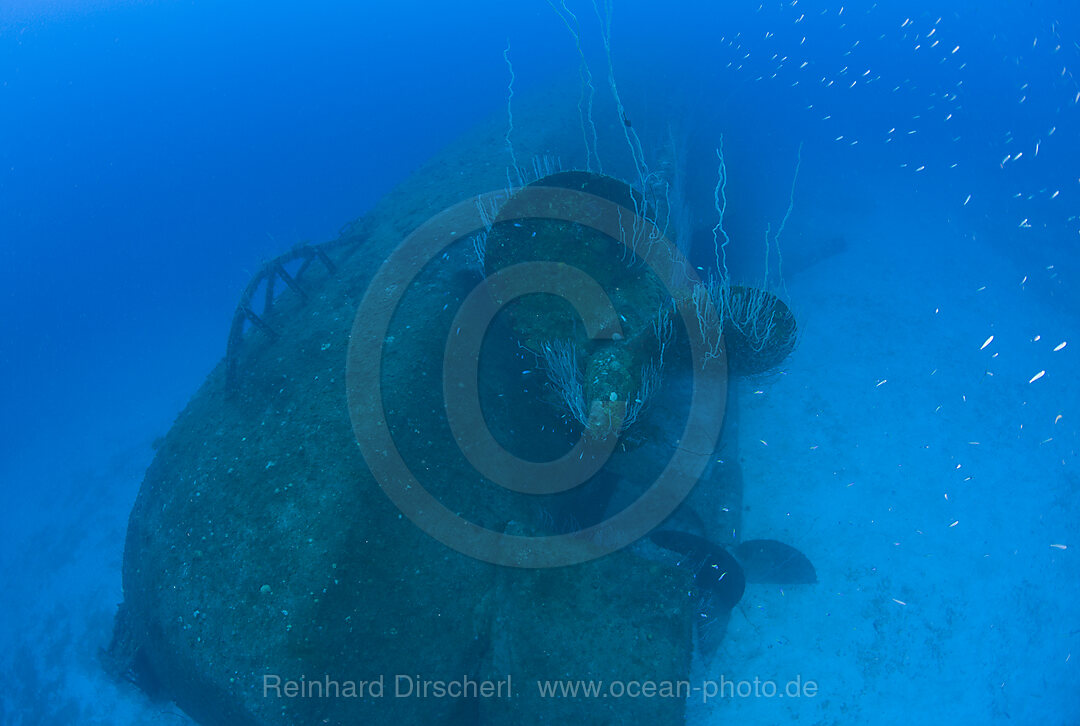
<point>153,154</point>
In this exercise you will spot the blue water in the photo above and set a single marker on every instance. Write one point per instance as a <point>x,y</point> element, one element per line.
<point>153,154</point>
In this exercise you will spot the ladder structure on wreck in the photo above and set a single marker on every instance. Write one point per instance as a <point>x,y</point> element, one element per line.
<point>267,278</point>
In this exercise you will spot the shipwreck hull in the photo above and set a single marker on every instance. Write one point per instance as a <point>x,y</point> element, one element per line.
<point>262,550</point>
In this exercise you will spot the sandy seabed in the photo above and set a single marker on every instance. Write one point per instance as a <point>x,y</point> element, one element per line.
<point>929,483</point>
